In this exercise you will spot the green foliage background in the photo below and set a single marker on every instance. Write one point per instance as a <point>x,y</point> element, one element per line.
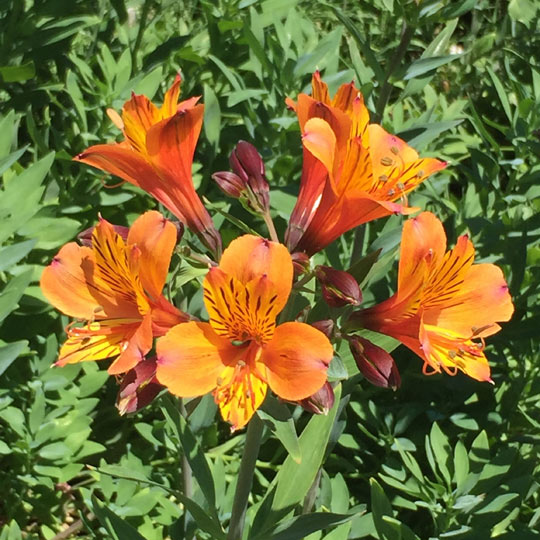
<point>441,457</point>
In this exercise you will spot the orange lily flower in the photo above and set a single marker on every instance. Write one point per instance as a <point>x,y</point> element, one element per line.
<point>157,156</point>
<point>241,351</point>
<point>353,171</point>
<point>115,286</point>
<point>445,305</point>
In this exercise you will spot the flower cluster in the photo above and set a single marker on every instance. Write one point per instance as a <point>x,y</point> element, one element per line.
<point>353,172</point>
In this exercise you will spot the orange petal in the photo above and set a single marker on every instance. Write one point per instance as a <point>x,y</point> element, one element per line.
<point>136,348</point>
<point>191,357</point>
<point>65,283</point>
<point>320,140</point>
<point>155,237</point>
<point>239,395</point>
<point>483,300</point>
<point>251,257</point>
<point>296,360</point>
<point>423,239</point>
<point>171,143</point>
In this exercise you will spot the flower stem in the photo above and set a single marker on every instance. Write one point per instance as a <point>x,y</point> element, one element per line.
<point>187,476</point>
<point>270,225</point>
<point>245,478</point>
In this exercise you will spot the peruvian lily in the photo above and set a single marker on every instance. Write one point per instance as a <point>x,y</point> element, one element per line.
<point>157,156</point>
<point>241,351</point>
<point>445,305</point>
<point>114,287</point>
<point>352,172</point>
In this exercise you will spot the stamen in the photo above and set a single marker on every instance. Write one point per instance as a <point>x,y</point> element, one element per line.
<point>383,178</point>
<point>394,150</point>
<point>387,161</point>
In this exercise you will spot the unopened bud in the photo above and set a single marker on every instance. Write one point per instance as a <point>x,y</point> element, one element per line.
<point>247,163</point>
<point>139,387</point>
<point>300,262</point>
<point>339,288</point>
<point>321,401</point>
<point>326,326</point>
<point>375,364</point>
<point>231,184</point>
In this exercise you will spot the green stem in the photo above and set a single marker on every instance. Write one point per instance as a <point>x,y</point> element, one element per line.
<point>406,36</point>
<point>187,476</point>
<point>270,225</point>
<point>245,478</point>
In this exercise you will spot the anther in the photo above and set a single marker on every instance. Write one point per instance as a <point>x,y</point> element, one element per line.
<point>383,178</point>
<point>394,150</point>
<point>387,161</point>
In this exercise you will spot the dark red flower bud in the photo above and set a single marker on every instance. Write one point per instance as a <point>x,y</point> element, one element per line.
<point>247,163</point>
<point>375,364</point>
<point>326,326</point>
<point>139,387</point>
<point>300,263</point>
<point>231,184</point>
<point>321,401</point>
<point>339,288</point>
<point>85,237</point>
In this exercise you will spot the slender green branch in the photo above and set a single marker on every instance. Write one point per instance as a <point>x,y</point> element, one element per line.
<point>187,477</point>
<point>245,478</point>
<point>270,225</point>
<point>142,27</point>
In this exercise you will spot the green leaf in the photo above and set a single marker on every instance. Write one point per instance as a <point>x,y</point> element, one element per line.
<point>381,507</point>
<point>9,160</point>
<point>299,527</point>
<point>116,526</point>
<point>461,464</point>
<point>10,352</point>
<point>11,255</point>
<point>523,11</point>
<point>441,451</point>
<point>192,450</point>
<point>12,293</point>
<point>360,268</point>
<point>424,65</point>
<point>499,88</point>
<point>50,232</point>
<point>20,73</point>
<point>285,431</point>
<point>293,480</point>
<point>212,115</point>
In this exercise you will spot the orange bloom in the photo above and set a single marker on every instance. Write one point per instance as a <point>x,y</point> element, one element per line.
<point>241,351</point>
<point>445,305</point>
<point>157,155</point>
<point>115,286</point>
<point>353,171</point>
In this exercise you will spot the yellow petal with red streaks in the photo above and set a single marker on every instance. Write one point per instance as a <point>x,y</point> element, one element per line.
<point>97,340</point>
<point>117,267</point>
<point>251,257</point>
<point>446,277</point>
<point>138,115</point>
<point>155,237</point>
<point>446,350</point>
<point>483,300</point>
<point>423,239</point>
<point>319,89</point>
<point>191,358</point>
<point>239,395</point>
<point>170,102</point>
<point>296,360</point>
